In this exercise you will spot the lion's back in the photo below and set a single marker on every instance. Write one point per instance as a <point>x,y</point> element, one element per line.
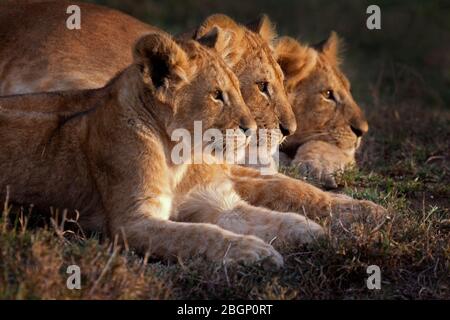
<point>53,57</point>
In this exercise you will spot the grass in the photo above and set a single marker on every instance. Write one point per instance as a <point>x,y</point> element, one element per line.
<point>405,168</point>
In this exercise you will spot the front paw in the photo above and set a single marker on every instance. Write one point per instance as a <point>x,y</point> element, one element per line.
<point>320,172</point>
<point>250,250</point>
<point>297,229</point>
<point>360,211</point>
<point>321,162</point>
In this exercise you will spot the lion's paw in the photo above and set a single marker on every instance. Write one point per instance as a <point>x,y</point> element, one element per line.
<point>321,162</point>
<point>297,229</point>
<point>249,250</point>
<point>362,211</point>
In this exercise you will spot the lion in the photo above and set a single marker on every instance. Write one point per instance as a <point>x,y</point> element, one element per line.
<point>332,122</point>
<point>277,191</point>
<point>261,81</point>
<point>110,160</point>
<point>248,53</point>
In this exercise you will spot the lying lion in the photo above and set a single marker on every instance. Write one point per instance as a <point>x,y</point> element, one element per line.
<point>111,161</point>
<point>332,123</point>
<point>247,52</point>
<point>53,58</point>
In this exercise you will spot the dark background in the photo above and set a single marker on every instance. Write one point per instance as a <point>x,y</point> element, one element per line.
<point>408,58</point>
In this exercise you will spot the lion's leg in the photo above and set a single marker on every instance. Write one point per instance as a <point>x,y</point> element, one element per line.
<point>220,205</point>
<point>281,193</point>
<point>146,231</point>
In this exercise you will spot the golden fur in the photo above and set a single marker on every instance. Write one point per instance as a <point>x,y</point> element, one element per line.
<point>330,131</point>
<point>50,55</point>
<point>235,198</point>
<point>251,58</point>
<point>111,161</point>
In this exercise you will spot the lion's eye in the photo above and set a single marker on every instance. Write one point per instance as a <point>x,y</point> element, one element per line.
<point>329,94</point>
<point>218,95</point>
<point>263,86</point>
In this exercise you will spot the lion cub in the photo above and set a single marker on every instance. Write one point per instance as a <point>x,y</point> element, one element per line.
<point>112,160</point>
<point>332,122</point>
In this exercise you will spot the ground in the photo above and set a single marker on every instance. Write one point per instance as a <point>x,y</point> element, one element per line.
<point>404,166</point>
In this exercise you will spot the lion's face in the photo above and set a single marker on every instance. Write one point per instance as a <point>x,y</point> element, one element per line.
<point>261,78</point>
<point>320,95</point>
<point>196,85</point>
<point>218,102</point>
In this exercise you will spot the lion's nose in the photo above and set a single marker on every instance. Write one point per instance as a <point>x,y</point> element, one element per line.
<point>360,130</point>
<point>247,125</point>
<point>286,131</point>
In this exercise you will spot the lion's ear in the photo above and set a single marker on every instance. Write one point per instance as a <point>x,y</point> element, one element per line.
<point>264,27</point>
<point>216,20</point>
<point>330,47</point>
<point>222,41</point>
<point>217,39</point>
<point>296,60</point>
<point>160,59</point>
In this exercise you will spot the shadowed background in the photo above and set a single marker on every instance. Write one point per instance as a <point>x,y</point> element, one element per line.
<point>413,45</point>
<point>400,74</point>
